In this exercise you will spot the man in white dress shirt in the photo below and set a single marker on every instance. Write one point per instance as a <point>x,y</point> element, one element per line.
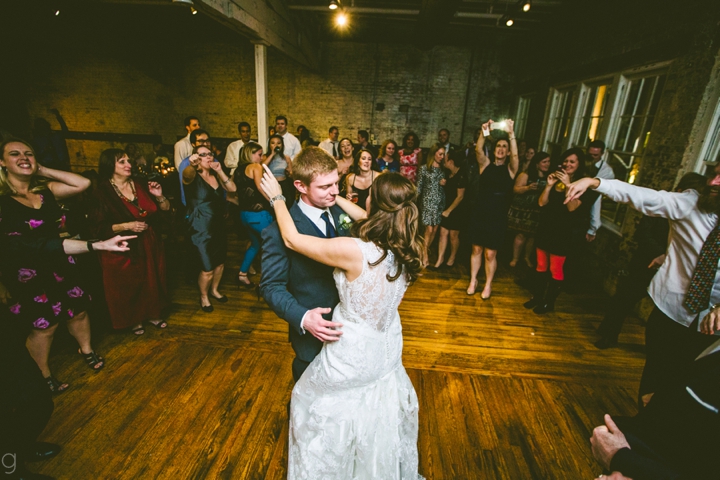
<point>676,332</point>
<point>292,144</point>
<point>233,150</point>
<point>331,144</point>
<point>183,147</point>
<point>598,164</point>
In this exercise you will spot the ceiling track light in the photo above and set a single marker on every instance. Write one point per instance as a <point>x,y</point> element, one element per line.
<point>507,20</point>
<point>334,4</point>
<point>193,11</point>
<point>525,5</point>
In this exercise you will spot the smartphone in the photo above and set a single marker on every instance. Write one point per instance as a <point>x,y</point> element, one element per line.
<point>497,126</point>
<point>486,131</point>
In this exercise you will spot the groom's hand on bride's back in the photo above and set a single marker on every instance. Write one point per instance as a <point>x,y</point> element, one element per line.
<point>319,327</point>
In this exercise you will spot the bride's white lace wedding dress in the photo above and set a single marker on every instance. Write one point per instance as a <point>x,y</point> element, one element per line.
<point>354,412</point>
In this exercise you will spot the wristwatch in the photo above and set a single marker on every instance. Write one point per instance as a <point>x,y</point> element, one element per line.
<point>276,198</point>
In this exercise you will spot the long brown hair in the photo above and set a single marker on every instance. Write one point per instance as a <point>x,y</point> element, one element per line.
<point>393,225</point>
<point>37,183</point>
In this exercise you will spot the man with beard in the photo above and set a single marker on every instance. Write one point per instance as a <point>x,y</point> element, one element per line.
<point>686,289</point>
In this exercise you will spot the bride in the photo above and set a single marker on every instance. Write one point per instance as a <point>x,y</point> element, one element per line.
<point>354,412</point>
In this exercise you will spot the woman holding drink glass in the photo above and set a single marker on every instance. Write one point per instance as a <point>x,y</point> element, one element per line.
<point>359,183</point>
<point>558,223</point>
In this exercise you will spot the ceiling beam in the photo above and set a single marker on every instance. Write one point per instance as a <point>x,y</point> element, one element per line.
<point>268,22</point>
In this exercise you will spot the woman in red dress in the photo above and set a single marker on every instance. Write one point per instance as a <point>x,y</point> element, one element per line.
<point>135,288</point>
<point>410,157</point>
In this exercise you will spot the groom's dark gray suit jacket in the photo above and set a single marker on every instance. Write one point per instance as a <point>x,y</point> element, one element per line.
<point>292,284</point>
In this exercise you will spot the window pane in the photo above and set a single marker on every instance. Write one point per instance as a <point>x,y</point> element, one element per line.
<point>594,114</point>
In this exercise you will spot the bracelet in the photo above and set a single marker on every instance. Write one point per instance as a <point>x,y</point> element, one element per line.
<point>512,138</point>
<point>226,181</point>
<point>162,199</point>
<point>276,198</point>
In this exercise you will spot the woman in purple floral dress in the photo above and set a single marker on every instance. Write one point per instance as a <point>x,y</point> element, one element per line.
<point>43,291</point>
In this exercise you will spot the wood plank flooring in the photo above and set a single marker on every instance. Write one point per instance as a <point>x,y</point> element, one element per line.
<point>504,394</point>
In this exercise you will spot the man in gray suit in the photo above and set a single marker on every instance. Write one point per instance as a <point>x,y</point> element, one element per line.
<point>299,290</point>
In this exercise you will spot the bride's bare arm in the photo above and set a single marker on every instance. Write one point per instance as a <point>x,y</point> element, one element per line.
<point>353,210</point>
<point>340,252</point>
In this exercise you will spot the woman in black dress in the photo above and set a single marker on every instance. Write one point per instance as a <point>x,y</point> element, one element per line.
<point>453,216</point>
<point>205,187</point>
<point>524,211</point>
<point>559,224</point>
<point>493,201</point>
<point>43,291</point>
<point>360,181</point>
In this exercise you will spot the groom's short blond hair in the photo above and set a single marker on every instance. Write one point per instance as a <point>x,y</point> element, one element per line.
<point>311,162</point>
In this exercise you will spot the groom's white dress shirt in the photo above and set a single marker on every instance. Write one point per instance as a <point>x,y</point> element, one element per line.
<point>314,213</point>
<point>689,227</point>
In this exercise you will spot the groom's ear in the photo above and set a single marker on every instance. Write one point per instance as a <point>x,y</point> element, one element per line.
<point>300,186</point>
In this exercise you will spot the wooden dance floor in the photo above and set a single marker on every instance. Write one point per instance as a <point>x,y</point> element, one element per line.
<point>504,394</point>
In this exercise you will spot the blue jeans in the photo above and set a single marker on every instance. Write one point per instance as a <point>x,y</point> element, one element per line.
<point>256,223</point>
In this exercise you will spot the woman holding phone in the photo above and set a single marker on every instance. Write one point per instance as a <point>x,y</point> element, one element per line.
<point>280,165</point>
<point>524,211</point>
<point>559,223</point>
<point>497,175</point>
<point>134,281</point>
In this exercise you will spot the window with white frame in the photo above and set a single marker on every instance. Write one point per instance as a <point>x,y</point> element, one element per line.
<point>558,125</point>
<point>710,152</point>
<point>592,112</point>
<point>522,116</point>
<point>638,101</point>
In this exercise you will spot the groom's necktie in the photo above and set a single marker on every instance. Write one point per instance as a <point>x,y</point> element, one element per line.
<point>697,298</point>
<point>330,231</point>
<point>335,152</point>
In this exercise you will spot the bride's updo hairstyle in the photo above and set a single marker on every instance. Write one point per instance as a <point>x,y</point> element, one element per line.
<point>393,224</point>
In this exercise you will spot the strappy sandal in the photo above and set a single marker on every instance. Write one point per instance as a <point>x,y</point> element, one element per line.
<point>55,385</point>
<point>93,360</point>
<point>137,331</point>
<point>160,325</point>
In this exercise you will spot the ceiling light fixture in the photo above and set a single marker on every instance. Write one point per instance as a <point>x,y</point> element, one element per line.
<point>57,12</point>
<point>507,20</point>
<point>341,20</point>
<point>526,4</point>
<point>192,9</point>
<point>334,4</point>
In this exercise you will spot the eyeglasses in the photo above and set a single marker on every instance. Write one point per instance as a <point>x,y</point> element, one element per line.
<point>206,155</point>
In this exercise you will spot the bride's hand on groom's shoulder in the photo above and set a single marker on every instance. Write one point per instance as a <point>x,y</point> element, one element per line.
<point>319,327</point>
<point>269,183</point>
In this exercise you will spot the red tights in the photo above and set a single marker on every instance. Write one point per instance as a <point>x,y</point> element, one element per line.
<point>556,264</point>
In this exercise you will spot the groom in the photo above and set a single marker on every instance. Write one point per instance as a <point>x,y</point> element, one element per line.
<point>299,290</point>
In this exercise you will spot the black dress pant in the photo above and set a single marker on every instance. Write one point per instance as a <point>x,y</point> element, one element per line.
<point>25,403</point>
<point>630,290</point>
<point>670,349</point>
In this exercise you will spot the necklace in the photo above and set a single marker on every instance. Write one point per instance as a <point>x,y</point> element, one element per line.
<point>141,211</point>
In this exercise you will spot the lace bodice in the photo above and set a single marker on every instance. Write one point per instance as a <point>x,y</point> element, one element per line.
<point>371,298</point>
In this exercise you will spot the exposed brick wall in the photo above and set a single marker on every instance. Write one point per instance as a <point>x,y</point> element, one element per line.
<point>100,93</point>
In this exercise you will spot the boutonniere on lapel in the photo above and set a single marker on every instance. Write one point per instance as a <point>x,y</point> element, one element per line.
<point>345,222</point>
